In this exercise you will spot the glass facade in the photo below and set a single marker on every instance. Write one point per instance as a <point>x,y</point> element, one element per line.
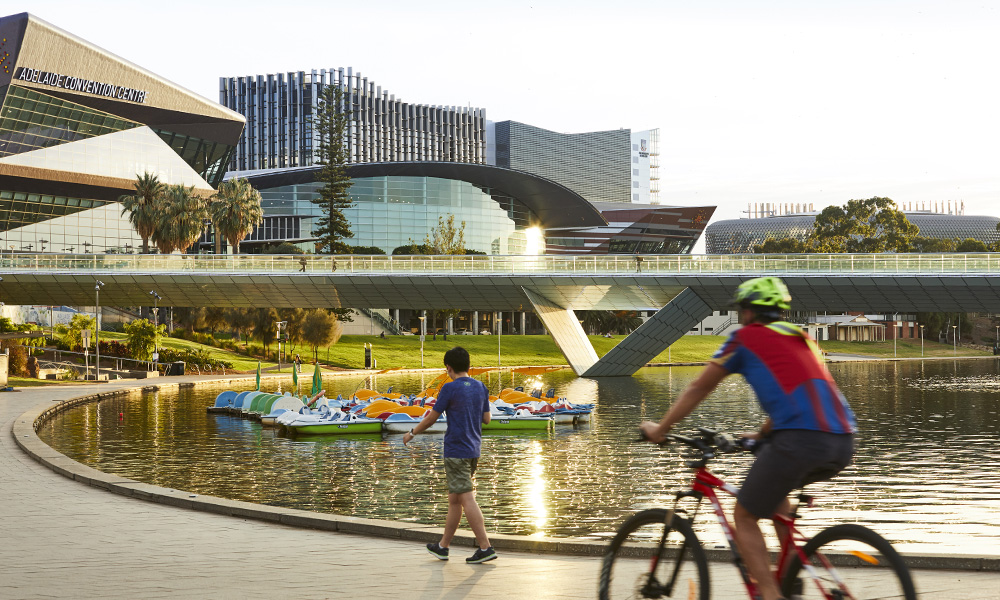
<point>30,121</point>
<point>209,159</point>
<point>394,211</point>
<point>18,209</point>
<point>42,223</point>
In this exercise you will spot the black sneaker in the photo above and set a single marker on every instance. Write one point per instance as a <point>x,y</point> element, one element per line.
<point>482,556</point>
<point>438,551</point>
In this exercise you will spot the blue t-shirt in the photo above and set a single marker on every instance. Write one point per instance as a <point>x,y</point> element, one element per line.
<point>463,401</point>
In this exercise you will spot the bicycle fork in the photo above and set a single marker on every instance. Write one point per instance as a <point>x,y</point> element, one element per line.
<point>668,587</point>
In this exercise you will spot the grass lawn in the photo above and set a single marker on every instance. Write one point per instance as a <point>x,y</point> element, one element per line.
<point>404,351</point>
<point>905,348</point>
<point>19,382</point>
<point>515,350</point>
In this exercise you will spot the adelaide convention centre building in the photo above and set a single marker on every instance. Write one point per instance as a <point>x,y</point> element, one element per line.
<point>77,124</point>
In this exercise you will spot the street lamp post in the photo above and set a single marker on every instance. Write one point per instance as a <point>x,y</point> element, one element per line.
<point>97,328</point>
<point>281,327</point>
<point>954,340</point>
<point>156,311</point>
<point>422,334</point>
<point>895,332</point>
<point>499,333</point>
<point>921,340</point>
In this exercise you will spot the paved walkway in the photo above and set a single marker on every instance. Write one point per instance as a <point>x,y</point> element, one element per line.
<point>61,538</point>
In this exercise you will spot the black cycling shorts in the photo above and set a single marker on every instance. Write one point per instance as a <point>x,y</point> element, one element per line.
<point>790,459</point>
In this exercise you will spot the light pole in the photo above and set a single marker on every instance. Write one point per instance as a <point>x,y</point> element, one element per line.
<point>422,333</point>
<point>156,311</point>
<point>954,340</point>
<point>921,340</point>
<point>97,328</point>
<point>895,332</point>
<point>499,333</point>
<point>281,327</point>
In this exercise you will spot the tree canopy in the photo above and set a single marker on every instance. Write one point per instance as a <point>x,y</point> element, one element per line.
<point>235,210</point>
<point>142,206</point>
<point>865,226</point>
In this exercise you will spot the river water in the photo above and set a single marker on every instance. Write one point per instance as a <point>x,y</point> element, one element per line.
<point>926,475</point>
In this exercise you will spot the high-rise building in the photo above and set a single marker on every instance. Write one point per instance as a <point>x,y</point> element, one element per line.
<point>595,165</point>
<point>279,134</point>
<point>646,166</point>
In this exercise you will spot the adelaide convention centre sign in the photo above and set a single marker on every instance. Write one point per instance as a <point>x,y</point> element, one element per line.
<point>77,84</point>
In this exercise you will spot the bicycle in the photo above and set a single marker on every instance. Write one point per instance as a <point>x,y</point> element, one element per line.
<point>841,562</point>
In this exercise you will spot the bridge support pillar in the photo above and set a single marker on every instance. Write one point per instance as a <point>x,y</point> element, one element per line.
<point>667,326</point>
<point>566,330</point>
<point>475,322</point>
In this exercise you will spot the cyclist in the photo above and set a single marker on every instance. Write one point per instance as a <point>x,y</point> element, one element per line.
<point>809,430</point>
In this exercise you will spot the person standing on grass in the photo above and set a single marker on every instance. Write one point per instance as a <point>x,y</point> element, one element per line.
<point>466,402</point>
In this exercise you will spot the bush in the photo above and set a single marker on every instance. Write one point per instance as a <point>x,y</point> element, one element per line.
<point>200,357</point>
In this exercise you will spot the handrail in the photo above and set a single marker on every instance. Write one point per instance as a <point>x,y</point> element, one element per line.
<point>384,320</point>
<point>555,265</point>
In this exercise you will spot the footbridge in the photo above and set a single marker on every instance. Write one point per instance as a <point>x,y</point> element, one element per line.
<point>682,289</point>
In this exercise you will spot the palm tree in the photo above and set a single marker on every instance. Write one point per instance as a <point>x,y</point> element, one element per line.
<point>180,219</point>
<point>142,206</point>
<point>236,211</point>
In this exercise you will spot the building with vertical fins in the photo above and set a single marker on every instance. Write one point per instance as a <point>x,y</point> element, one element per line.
<point>279,107</point>
<point>78,125</point>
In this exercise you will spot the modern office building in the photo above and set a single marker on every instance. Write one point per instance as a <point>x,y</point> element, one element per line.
<point>597,165</point>
<point>646,166</point>
<point>940,221</point>
<point>618,167</point>
<point>279,108</point>
<point>78,124</point>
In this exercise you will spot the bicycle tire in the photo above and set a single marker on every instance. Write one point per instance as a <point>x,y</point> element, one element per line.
<point>627,560</point>
<point>846,557</point>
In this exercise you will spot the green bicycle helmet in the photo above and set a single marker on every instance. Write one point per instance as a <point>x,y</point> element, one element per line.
<point>764,293</point>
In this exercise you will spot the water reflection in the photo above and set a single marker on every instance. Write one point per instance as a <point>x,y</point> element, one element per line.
<point>927,473</point>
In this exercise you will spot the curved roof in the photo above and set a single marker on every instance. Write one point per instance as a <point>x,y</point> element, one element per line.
<point>555,205</point>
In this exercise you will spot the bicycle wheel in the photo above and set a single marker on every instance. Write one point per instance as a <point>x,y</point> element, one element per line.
<point>848,561</point>
<point>680,572</point>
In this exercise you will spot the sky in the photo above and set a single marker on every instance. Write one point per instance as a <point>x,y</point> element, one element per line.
<point>756,101</point>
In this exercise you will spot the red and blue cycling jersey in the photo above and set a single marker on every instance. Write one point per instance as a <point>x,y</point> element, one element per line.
<point>784,366</point>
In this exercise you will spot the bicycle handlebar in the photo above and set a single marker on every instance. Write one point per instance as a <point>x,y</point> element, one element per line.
<point>709,442</point>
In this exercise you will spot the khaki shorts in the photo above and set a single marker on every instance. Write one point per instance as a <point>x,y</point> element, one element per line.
<point>459,472</point>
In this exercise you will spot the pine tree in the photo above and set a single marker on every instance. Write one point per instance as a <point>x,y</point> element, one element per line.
<point>330,122</point>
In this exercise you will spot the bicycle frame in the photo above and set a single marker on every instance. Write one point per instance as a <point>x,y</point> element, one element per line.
<point>704,485</point>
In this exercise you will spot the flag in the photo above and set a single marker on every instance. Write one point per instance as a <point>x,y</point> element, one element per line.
<point>317,381</point>
<point>258,375</point>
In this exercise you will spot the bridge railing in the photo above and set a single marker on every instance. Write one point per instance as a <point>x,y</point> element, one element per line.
<point>677,264</point>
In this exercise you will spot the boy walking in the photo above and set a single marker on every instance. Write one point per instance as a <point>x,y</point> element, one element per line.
<point>466,402</point>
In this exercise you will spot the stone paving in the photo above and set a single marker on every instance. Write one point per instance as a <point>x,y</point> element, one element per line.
<point>64,539</point>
